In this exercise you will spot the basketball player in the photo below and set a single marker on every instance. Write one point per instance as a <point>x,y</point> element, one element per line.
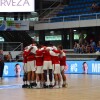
<point>47,66</point>
<point>62,65</point>
<point>39,67</point>
<point>31,66</point>
<point>25,53</point>
<point>56,67</point>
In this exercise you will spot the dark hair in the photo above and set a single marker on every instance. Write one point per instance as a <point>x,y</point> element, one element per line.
<point>17,64</point>
<point>60,47</point>
<point>84,63</point>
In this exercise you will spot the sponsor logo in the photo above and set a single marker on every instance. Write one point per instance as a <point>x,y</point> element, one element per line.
<point>96,67</point>
<point>6,70</point>
<point>73,67</point>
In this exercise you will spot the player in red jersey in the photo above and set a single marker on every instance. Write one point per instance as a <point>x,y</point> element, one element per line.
<point>39,67</point>
<point>25,53</point>
<point>47,66</point>
<point>56,67</point>
<point>62,65</point>
<point>31,66</point>
<point>33,51</point>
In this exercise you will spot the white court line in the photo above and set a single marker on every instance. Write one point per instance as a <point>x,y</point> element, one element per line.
<point>10,86</point>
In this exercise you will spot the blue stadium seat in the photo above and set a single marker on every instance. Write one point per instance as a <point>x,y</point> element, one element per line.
<point>78,7</point>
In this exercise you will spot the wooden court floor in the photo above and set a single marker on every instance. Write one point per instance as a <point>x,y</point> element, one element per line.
<point>80,87</point>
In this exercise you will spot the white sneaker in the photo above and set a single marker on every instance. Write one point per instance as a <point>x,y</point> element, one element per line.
<point>65,85</point>
<point>60,86</point>
<point>56,87</point>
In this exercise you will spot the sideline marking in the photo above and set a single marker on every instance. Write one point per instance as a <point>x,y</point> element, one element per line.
<point>10,86</point>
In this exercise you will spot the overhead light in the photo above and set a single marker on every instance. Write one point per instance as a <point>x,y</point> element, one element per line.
<point>74,30</point>
<point>52,32</point>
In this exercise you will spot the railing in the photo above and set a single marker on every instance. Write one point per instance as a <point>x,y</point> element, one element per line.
<point>72,18</point>
<point>11,46</point>
<point>49,9</point>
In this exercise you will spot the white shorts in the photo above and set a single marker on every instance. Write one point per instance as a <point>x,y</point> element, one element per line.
<point>25,67</point>
<point>39,70</point>
<point>56,68</point>
<point>62,68</point>
<point>47,65</point>
<point>31,66</point>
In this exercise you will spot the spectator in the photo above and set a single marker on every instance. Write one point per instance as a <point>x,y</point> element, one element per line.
<point>1,63</point>
<point>81,38</point>
<point>9,57</point>
<point>88,48</point>
<point>75,47</point>
<point>94,7</point>
<point>17,58</point>
<point>82,48</point>
<point>98,46</point>
<point>86,44</point>
<point>93,45</point>
<point>78,48</point>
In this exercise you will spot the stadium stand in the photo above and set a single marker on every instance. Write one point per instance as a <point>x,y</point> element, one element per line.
<point>77,10</point>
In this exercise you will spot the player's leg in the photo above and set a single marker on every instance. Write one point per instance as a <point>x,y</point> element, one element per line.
<point>50,77</point>
<point>33,77</point>
<point>63,76</point>
<point>38,76</point>
<point>45,67</point>
<point>58,75</point>
<point>29,73</point>
<point>42,77</point>
<point>24,81</point>
<point>50,73</point>
<point>64,79</point>
<point>55,76</point>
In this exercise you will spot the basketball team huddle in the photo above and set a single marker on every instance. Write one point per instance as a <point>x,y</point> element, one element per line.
<point>41,62</point>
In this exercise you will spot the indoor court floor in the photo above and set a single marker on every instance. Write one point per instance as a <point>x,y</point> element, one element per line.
<point>80,87</point>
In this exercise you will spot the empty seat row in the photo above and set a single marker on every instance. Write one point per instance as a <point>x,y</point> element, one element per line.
<point>74,11</point>
<point>77,10</point>
<point>77,6</point>
<point>82,1</point>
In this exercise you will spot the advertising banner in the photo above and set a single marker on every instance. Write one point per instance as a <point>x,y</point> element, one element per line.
<point>86,67</point>
<point>17,5</point>
<point>72,67</point>
<point>10,69</point>
<point>14,25</point>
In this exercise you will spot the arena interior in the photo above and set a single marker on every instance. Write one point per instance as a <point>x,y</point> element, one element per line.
<point>50,49</point>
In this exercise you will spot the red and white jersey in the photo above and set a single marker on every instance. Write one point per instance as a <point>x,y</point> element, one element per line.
<point>25,54</point>
<point>34,48</point>
<point>55,58</point>
<point>62,59</point>
<point>46,55</point>
<point>31,56</point>
<point>39,57</point>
